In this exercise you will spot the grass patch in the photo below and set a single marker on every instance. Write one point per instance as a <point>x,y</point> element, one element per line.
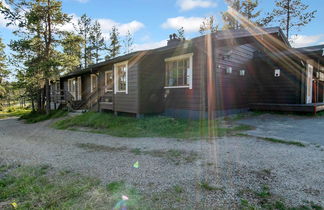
<point>274,140</point>
<point>13,112</point>
<point>42,187</point>
<point>175,156</point>
<point>206,186</point>
<point>266,200</point>
<point>34,117</point>
<point>154,126</point>
<point>100,148</point>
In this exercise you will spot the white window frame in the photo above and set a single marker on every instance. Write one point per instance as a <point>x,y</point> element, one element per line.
<point>189,71</point>
<point>91,84</point>
<point>106,85</point>
<point>116,90</point>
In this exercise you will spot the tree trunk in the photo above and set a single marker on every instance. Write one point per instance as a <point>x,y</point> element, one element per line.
<point>47,96</point>
<point>33,105</point>
<point>288,18</point>
<point>39,100</point>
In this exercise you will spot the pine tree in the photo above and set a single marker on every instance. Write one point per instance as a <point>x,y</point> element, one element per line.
<point>40,23</point>
<point>84,30</point>
<point>3,67</point>
<point>72,46</point>
<point>246,8</point>
<point>290,14</point>
<point>97,42</point>
<point>114,47</point>
<point>181,33</point>
<point>128,43</point>
<point>208,26</point>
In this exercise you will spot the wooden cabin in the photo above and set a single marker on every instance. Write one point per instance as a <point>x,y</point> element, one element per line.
<point>217,74</point>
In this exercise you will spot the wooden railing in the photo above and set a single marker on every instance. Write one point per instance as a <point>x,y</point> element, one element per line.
<point>88,102</point>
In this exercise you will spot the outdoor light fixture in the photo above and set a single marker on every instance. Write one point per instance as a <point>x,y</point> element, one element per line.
<point>242,72</point>
<point>277,73</point>
<point>229,70</point>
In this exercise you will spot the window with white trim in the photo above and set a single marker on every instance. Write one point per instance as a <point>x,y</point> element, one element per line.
<point>179,71</point>
<point>121,77</point>
<point>93,79</point>
<point>109,81</point>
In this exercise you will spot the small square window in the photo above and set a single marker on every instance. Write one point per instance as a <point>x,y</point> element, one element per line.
<point>229,70</point>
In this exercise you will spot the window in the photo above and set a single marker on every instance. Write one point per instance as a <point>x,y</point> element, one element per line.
<point>109,81</point>
<point>179,71</point>
<point>121,77</point>
<point>71,85</point>
<point>93,82</point>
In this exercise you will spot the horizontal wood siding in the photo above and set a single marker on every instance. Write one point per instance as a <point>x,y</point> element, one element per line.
<point>266,88</point>
<point>128,102</point>
<point>232,90</point>
<point>185,98</point>
<point>151,83</point>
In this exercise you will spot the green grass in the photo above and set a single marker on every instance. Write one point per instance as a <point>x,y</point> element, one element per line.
<point>264,199</point>
<point>206,186</point>
<point>175,156</point>
<point>13,112</point>
<point>34,117</point>
<point>154,126</point>
<point>42,187</point>
<point>274,140</point>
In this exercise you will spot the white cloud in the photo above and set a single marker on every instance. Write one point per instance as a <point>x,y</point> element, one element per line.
<point>190,24</point>
<point>3,21</point>
<point>304,40</point>
<point>186,5</point>
<point>106,25</point>
<point>150,45</point>
<point>133,26</point>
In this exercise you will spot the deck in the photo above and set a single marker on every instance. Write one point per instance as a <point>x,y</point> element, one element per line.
<point>309,108</point>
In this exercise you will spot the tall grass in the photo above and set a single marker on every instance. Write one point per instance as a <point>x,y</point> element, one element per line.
<point>13,112</point>
<point>34,117</point>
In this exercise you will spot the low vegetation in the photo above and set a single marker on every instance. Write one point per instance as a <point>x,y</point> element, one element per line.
<point>155,126</point>
<point>34,117</point>
<point>264,199</point>
<point>274,140</point>
<point>173,155</point>
<point>13,112</point>
<point>44,188</point>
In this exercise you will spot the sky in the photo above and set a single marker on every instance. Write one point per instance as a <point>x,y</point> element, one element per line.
<point>151,21</point>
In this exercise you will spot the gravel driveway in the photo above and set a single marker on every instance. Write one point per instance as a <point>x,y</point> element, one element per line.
<point>233,164</point>
<point>288,127</point>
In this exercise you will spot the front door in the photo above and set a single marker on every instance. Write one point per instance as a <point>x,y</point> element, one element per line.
<point>309,92</point>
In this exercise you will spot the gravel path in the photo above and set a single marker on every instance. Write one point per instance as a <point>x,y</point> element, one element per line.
<point>236,165</point>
